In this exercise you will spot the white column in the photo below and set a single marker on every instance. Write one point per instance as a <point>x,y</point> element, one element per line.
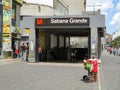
<point>94,42</point>
<point>32,48</point>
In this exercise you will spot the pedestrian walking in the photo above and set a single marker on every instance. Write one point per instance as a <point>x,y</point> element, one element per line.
<point>27,51</point>
<point>114,51</point>
<point>16,53</point>
<point>110,50</point>
<point>23,51</point>
<point>118,51</point>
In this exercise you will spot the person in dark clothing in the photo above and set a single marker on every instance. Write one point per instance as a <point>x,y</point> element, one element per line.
<point>39,53</point>
<point>27,51</point>
<point>22,51</point>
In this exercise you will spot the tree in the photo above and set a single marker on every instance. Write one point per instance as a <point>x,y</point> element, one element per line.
<point>116,41</point>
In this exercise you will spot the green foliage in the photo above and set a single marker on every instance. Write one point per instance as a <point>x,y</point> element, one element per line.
<point>116,41</point>
<point>7,54</point>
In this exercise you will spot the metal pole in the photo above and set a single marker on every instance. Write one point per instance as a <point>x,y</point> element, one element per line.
<point>10,24</point>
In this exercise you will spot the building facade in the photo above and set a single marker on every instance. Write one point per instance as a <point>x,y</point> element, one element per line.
<point>50,30</point>
<point>108,38</point>
<point>56,27</point>
<point>57,8</point>
<point>37,10</point>
<point>10,29</point>
<point>76,7</point>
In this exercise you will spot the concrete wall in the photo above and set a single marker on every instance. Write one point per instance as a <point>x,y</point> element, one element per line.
<point>97,21</point>
<point>76,7</point>
<point>36,10</point>
<point>60,8</point>
<point>96,18</point>
<point>94,42</point>
<point>28,22</point>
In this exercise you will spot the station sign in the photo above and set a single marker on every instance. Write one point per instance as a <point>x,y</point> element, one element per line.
<point>84,21</point>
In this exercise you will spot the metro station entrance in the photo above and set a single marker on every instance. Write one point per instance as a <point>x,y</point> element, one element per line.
<point>65,38</point>
<point>63,43</point>
<point>68,39</point>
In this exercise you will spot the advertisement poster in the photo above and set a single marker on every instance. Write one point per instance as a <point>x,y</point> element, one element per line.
<point>6,17</point>
<point>6,21</point>
<point>6,25</point>
<point>6,4</point>
<point>27,32</point>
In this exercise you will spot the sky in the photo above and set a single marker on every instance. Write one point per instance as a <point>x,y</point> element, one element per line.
<point>110,8</point>
<point>112,12</point>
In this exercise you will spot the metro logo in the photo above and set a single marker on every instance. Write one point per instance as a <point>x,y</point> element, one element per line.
<point>39,21</point>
